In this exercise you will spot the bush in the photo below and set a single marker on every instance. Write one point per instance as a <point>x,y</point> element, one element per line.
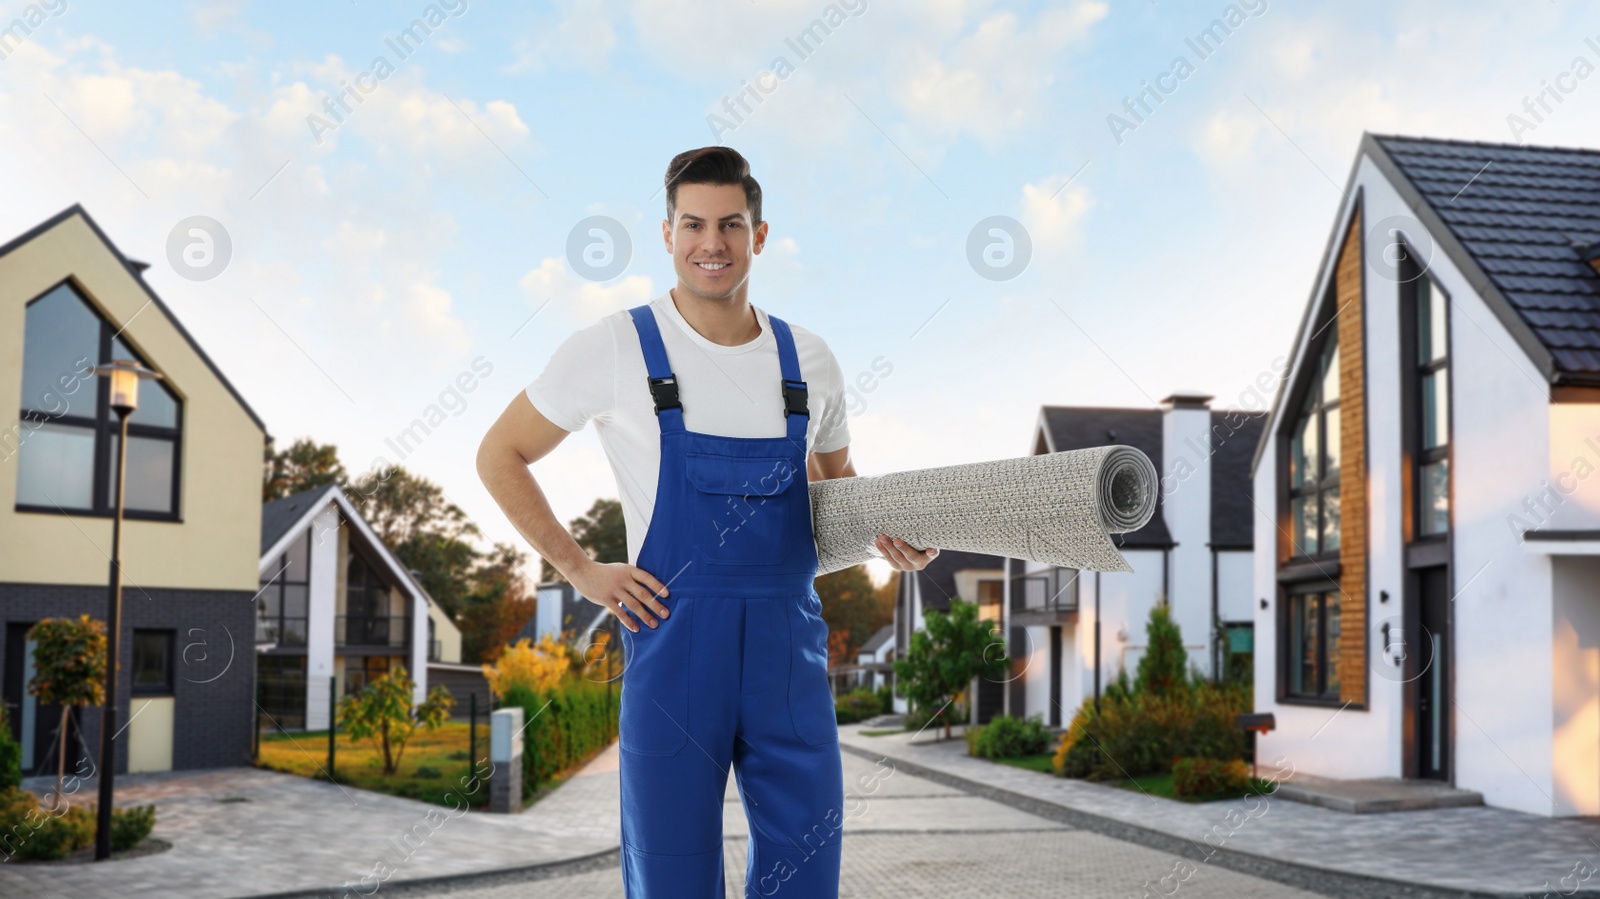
<point>10,754</point>
<point>1006,737</point>
<point>857,705</point>
<point>575,724</point>
<point>919,716</point>
<point>31,833</point>
<point>129,826</point>
<point>1146,732</point>
<point>1194,777</point>
<point>886,698</point>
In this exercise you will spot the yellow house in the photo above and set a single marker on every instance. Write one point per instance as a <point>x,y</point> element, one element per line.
<point>70,300</point>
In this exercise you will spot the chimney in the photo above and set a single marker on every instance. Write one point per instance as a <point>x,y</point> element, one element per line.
<point>1181,399</point>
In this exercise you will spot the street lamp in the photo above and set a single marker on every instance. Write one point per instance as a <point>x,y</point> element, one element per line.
<point>125,376</point>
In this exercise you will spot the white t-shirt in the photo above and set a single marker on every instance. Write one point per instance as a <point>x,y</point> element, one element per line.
<point>731,391</point>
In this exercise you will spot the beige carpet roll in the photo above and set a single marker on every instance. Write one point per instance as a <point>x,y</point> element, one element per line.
<point>1058,508</point>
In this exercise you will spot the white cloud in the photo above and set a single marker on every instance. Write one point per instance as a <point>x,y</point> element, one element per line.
<point>575,301</point>
<point>1053,218</point>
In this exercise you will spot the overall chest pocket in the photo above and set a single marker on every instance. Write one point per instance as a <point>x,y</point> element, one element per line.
<point>742,507</point>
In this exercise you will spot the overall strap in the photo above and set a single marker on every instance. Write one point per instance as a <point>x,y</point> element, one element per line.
<point>663,385</point>
<point>795,408</point>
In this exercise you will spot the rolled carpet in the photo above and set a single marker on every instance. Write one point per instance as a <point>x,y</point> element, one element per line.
<point>1058,508</point>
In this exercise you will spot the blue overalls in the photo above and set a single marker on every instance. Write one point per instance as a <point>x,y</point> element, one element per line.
<point>737,672</point>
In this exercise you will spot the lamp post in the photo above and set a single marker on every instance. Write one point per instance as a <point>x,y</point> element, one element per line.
<point>125,376</point>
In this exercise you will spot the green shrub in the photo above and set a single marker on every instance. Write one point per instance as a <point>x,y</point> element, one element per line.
<point>31,833</point>
<point>921,715</point>
<point>575,724</point>
<point>1007,737</point>
<point>10,754</point>
<point>427,771</point>
<point>1145,733</point>
<point>1203,777</point>
<point>129,826</point>
<point>886,698</point>
<point>857,705</point>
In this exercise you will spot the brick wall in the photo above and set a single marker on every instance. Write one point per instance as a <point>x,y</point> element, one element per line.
<point>1352,469</point>
<point>213,673</point>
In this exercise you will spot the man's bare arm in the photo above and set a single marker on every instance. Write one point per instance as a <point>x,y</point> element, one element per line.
<point>520,437</point>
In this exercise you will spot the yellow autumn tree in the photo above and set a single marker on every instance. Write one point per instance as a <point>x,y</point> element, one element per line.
<point>537,667</point>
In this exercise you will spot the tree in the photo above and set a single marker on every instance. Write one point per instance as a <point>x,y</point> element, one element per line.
<point>602,534</point>
<point>69,659</point>
<point>537,669</point>
<point>497,608</point>
<point>304,465</point>
<point>947,654</point>
<point>852,609</point>
<point>384,712</point>
<point>1164,666</point>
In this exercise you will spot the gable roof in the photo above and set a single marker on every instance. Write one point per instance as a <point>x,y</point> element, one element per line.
<point>881,636</point>
<point>1235,434</point>
<point>135,270</point>
<point>278,516</point>
<point>1519,222</point>
<point>1082,427</point>
<point>289,516</point>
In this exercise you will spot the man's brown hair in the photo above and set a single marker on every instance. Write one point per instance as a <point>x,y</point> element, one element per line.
<point>713,165</point>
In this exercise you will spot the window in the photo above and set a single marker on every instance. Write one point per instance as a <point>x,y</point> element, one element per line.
<point>360,671</point>
<point>152,662</point>
<point>1313,649</point>
<point>1432,405</point>
<point>67,453</point>
<point>281,609</point>
<point>989,594</point>
<point>367,620</point>
<point>281,689</point>
<point>1314,463</point>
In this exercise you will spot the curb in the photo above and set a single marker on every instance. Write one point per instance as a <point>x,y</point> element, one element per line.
<point>1311,878</point>
<point>446,883</point>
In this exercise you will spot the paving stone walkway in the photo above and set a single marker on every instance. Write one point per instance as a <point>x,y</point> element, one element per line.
<point>1473,851</point>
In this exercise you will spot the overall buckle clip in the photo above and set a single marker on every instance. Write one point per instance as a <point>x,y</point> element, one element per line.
<point>665,392</point>
<point>794,398</point>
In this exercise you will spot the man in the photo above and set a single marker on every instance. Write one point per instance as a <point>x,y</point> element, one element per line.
<point>715,415</point>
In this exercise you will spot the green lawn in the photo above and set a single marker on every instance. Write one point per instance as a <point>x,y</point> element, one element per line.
<point>1161,785</point>
<point>431,770</point>
<point>882,733</point>
<point>1041,762</point>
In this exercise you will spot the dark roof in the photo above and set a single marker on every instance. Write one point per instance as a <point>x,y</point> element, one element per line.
<point>881,636</point>
<point>1528,217</point>
<point>1234,435</point>
<point>278,516</point>
<point>1083,427</point>
<point>134,271</point>
<point>938,578</point>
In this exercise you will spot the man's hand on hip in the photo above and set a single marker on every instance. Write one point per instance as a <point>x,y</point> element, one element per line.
<point>616,585</point>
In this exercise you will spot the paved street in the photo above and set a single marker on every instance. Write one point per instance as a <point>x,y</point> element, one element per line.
<point>912,837</point>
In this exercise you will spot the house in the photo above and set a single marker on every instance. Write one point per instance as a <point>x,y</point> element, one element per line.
<point>973,577</point>
<point>70,300</point>
<point>560,609</point>
<point>873,667</point>
<point>336,607</point>
<point>1429,582</point>
<point>1069,633</point>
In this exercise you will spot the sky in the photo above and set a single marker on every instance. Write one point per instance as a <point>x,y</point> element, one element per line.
<point>983,199</point>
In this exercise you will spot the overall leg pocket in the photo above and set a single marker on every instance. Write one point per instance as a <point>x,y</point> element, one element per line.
<point>810,698</point>
<point>654,716</point>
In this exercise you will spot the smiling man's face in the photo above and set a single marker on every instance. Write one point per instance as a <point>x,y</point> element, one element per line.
<point>711,239</point>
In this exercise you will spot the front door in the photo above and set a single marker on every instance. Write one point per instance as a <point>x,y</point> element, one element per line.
<point>1433,677</point>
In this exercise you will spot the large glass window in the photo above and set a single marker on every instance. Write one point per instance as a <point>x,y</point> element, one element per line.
<point>66,445</point>
<point>281,610</point>
<point>1432,404</point>
<point>1314,462</point>
<point>1313,656</point>
<point>281,691</point>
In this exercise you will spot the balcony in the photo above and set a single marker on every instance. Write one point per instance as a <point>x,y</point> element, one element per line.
<point>1044,597</point>
<point>362,631</point>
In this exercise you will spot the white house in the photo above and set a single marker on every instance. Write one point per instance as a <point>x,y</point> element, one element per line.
<point>1070,632</point>
<point>1428,591</point>
<point>336,606</point>
<point>972,577</point>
